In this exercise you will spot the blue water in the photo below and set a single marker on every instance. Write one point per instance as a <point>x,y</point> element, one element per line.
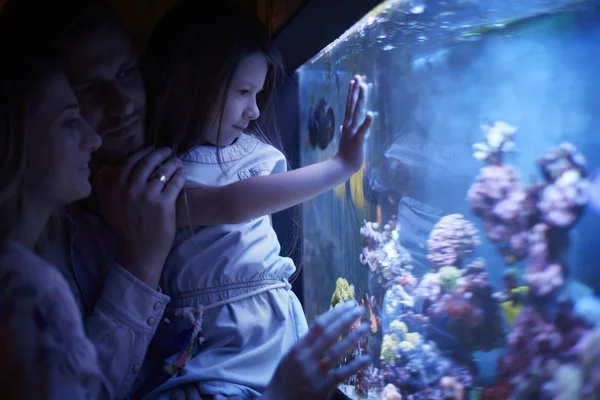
<point>439,75</point>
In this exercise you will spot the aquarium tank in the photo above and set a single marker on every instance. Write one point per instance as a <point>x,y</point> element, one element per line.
<point>472,233</point>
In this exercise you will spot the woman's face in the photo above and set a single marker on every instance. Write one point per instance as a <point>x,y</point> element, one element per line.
<point>59,145</point>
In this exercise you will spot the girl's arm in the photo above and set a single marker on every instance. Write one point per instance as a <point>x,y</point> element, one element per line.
<point>263,195</point>
<point>258,196</point>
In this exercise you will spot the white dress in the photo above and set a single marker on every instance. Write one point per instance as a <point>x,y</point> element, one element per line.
<point>232,278</point>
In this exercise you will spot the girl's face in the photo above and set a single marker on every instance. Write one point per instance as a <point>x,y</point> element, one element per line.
<point>60,144</point>
<point>240,101</point>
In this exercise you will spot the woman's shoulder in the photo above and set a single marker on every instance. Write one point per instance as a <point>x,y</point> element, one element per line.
<point>19,266</point>
<point>29,284</point>
<point>41,321</point>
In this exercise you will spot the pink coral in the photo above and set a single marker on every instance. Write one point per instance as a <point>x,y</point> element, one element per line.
<point>466,312</point>
<point>538,346</point>
<point>505,207</point>
<point>492,184</point>
<point>561,159</point>
<point>451,241</point>
<point>509,210</point>
<point>561,202</point>
<point>459,308</point>
<point>429,287</point>
<point>564,196</point>
<point>542,274</point>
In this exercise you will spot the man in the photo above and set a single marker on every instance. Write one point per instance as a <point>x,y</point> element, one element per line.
<point>113,263</point>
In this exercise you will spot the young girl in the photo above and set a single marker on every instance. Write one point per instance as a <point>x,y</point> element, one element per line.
<point>209,78</point>
<point>45,148</point>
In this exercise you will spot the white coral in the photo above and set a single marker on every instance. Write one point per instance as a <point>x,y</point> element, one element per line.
<point>498,139</point>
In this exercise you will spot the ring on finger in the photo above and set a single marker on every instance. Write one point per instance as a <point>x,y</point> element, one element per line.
<point>161,177</point>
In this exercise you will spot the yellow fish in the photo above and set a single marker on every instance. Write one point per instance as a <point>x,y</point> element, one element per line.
<point>356,189</point>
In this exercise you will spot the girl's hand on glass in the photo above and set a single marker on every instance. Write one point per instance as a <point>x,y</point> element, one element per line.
<point>355,128</point>
<point>307,370</point>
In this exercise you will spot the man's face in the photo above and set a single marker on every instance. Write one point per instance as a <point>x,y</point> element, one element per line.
<point>103,70</point>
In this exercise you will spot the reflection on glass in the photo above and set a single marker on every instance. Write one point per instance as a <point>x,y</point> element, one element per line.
<point>471,233</point>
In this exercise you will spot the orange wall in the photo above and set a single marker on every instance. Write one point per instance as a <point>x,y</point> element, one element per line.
<point>141,15</point>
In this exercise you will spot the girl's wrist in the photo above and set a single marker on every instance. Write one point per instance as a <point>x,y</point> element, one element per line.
<point>346,169</point>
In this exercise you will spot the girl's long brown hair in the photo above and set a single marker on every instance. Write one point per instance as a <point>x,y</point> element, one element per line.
<point>188,66</point>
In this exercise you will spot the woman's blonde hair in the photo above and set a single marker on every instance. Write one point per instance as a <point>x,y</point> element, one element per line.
<point>20,74</point>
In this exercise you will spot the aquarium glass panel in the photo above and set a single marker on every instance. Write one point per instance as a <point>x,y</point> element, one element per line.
<point>472,232</point>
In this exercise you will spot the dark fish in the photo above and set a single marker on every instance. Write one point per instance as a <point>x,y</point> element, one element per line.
<point>321,124</point>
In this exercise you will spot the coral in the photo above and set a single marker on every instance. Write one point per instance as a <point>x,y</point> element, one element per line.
<point>474,277</point>
<point>413,366</point>
<point>560,205</point>
<point>566,383</point>
<point>408,279</point>
<point>500,391</point>
<point>413,337</point>
<point>457,307</point>
<point>498,140</point>
<point>430,287</point>
<point>497,197</point>
<point>383,253</point>
<point>418,371</point>
<point>529,221</point>
<point>398,327</point>
<point>558,160</point>
<point>343,292</point>
<point>561,202</point>
<point>395,302</point>
<point>448,277</point>
<point>390,393</point>
<point>588,354</point>
<point>452,389</point>
<point>451,241</point>
<point>413,321</point>
<point>542,274</point>
<point>540,346</point>
<point>400,339</point>
<point>467,318</point>
<point>389,346</point>
<point>406,345</point>
<point>564,197</point>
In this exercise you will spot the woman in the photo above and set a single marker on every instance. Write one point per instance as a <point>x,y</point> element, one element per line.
<point>44,154</point>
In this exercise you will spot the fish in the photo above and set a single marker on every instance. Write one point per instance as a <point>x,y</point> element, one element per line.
<point>369,302</point>
<point>353,189</point>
